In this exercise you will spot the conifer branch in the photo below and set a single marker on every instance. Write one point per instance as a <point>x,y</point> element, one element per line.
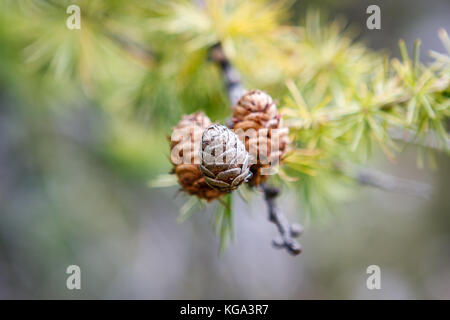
<point>235,90</point>
<point>287,231</point>
<point>363,176</point>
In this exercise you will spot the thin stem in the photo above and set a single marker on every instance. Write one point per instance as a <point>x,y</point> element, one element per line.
<point>383,181</point>
<point>133,48</point>
<point>231,76</point>
<point>287,231</point>
<point>428,141</point>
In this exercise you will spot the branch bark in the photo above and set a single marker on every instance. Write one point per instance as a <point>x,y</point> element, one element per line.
<point>230,75</point>
<point>287,231</point>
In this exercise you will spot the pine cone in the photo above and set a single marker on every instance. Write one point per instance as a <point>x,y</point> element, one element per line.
<point>257,110</point>
<point>224,160</point>
<point>185,146</point>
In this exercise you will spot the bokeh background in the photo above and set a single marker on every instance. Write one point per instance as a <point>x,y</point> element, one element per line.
<point>74,190</point>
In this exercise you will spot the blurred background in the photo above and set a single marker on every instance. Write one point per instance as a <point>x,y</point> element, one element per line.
<point>75,166</point>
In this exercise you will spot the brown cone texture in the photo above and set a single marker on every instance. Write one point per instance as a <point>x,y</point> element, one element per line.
<point>190,128</point>
<point>224,160</point>
<point>257,110</point>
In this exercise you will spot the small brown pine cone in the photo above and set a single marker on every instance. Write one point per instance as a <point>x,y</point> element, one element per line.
<point>256,110</point>
<point>224,160</point>
<point>185,147</point>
